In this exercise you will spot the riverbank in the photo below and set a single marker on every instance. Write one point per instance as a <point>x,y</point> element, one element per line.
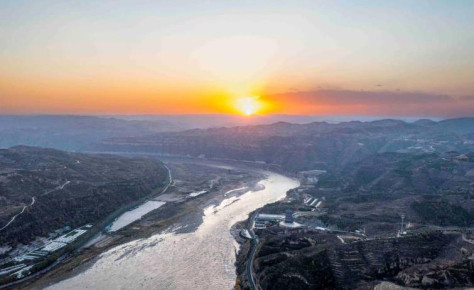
<point>53,245</point>
<point>182,216</point>
<point>203,258</point>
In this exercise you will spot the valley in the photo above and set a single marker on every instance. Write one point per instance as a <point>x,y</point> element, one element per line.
<point>364,205</point>
<point>181,213</point>
<point>297,147</point>
<point>246,145</point>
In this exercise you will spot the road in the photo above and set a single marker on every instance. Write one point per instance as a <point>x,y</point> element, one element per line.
<point>33,200</point>
<point>251,257</point>
<point>35,274</point>
<point>15,216</point>
<point>60,259</point>
<point>170,178</point>
<point>57,188</point>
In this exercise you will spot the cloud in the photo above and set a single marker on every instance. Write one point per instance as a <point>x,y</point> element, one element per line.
<point>387,103</point>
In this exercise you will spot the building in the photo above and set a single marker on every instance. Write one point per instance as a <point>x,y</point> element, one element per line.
<point>269,217</point>
<point>289,216</point>
<point>263,220</point>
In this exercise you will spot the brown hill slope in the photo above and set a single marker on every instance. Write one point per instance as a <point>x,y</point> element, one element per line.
<point>55,188</point>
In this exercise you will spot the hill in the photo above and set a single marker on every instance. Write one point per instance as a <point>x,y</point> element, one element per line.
<point>48,189</point>
<point>306,146</point>
<point>72,132</point>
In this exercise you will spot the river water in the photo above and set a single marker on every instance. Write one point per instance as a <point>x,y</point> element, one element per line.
<point>203,259</point>
<point>135,214</point>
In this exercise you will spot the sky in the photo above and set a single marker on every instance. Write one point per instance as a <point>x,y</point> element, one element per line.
<point>390,58</point>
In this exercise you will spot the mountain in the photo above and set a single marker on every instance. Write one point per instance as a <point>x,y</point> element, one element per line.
<point>78,133</point>
<point>408,173</point>
<point>305,146</point>
<point>52,189</point>
<point>72,132</point>
<point>308,259</point>
<point>432,189</point>
<point>405,219</point>
<point>461,125</point>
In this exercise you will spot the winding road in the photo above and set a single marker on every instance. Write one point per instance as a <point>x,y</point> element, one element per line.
<point>33,200</point>
<point>253,250</point>
<point>22,211</point>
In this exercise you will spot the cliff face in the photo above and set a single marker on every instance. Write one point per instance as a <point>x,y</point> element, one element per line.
<point>55,189</point>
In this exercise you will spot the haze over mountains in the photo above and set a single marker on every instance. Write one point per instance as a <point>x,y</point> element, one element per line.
<point>371,171</point>
<point>305,146</point>
<point>70,132</point>
<point>206,136</point>
<point>141,141</point>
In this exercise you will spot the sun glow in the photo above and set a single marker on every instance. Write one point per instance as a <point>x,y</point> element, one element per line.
<point>248,105</point>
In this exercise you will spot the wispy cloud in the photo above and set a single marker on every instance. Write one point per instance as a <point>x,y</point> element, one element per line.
<point>394,103</point>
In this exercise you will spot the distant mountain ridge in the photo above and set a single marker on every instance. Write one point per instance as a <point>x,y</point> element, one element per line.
<point>70,132</point>
<point>305,146</point>
<point>79,132</point>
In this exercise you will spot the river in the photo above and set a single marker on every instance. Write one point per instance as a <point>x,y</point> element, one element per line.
<point>203,259</point>
<point>135,214</point>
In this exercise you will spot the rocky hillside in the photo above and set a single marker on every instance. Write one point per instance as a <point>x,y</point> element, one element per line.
<point>307,259</point>
<point>353,240</point>
<point>48,189</point>
<point>430,189</point>
<point>419,173</point>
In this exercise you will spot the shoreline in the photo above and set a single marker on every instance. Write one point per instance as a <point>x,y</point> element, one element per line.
<point>72,249</point>
<point>88,256</point>
<point>164,260</point>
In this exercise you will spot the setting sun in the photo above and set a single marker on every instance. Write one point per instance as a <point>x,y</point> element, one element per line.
<point>248,105</point>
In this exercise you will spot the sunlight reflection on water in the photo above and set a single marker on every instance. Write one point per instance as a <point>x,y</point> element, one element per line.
<point>203,259</point>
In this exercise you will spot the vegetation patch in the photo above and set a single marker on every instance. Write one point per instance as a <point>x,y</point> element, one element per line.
<point>441,212</point>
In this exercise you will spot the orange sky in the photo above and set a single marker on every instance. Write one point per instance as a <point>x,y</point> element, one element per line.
<point>303,57</point>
